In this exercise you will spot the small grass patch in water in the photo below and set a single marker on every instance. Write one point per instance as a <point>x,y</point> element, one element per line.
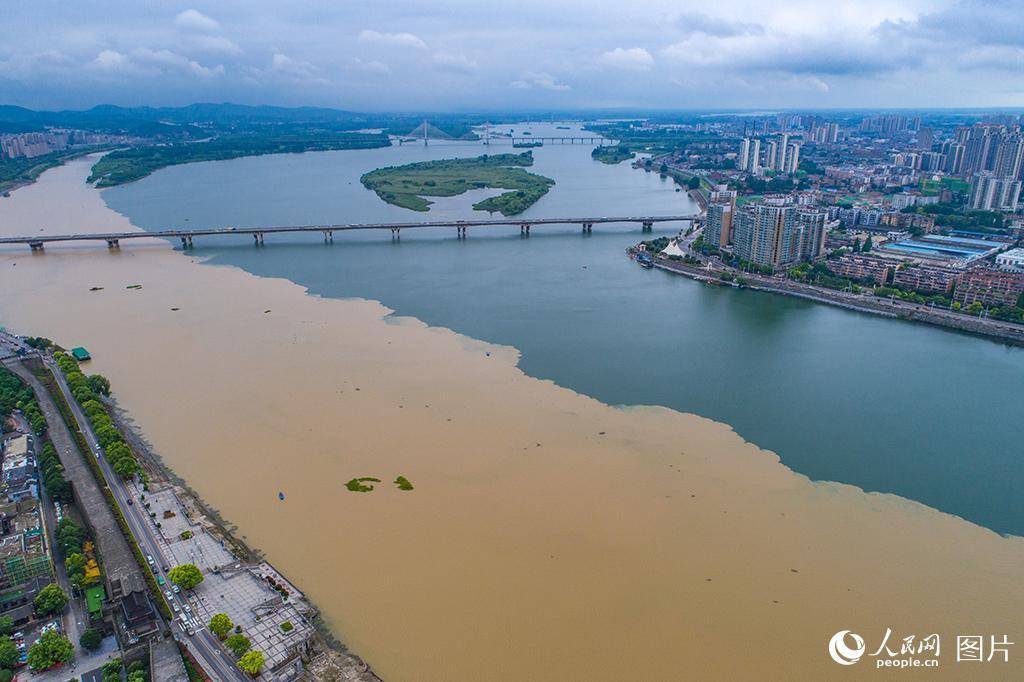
<point>403,483</point>
<point>362,485</point>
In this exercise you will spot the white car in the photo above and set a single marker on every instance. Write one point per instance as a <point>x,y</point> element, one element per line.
<point>149,558</point>
<point>188,609</point>
<point>176,589</point>
<point>170,597</point>
<point>177,609</point>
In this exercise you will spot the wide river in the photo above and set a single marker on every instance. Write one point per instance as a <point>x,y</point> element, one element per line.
<point>551,535</point>
<point>888,406</point>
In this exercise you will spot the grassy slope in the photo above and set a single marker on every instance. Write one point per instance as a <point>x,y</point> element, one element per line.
<point>406,186</point>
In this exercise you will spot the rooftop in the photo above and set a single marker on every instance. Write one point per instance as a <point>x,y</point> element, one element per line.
<point>945,249</point>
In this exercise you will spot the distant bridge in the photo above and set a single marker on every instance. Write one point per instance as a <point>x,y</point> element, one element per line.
<point>113,239</point>
<point>518,139</point>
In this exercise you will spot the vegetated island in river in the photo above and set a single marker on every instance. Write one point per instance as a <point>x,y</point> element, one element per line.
<point>407,185</point>
<point>128,165</point>
<point>612,155</point>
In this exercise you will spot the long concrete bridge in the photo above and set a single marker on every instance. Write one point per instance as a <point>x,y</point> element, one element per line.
<point>113,239</point>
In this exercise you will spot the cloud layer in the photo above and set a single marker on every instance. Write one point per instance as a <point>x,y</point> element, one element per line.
<point>405,54</point>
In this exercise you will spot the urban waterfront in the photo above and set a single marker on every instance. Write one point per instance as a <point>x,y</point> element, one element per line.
<point>840,396</point>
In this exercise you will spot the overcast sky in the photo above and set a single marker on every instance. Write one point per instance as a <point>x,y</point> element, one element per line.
<point>529,54</point>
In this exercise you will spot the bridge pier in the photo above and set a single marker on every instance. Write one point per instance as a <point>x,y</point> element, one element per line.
<point>257,238</point>
<point>396,233</point>
<point>328,236</point>
<point>35,246</point>
<point>588,228</point>
<point>186,242</point>
<point>461,231</point>
<point>524,230</point>
<point>113,244</point>
<point>647,226</point>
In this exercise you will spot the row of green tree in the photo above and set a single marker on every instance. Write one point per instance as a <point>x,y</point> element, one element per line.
<point>820,275</point>
<point>249,660</point>
<point>918,297</point>
<point>77,561</point>
<point>87,391</point>
<point>53,473</point>
<point>16,395</point>
<point>114,670</point>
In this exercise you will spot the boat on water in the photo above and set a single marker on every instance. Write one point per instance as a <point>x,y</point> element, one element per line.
<point>645,260</point>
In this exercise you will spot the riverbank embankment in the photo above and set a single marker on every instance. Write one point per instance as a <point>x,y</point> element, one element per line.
<point>1005,331</point>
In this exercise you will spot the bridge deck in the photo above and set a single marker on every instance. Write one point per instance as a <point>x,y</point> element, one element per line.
<point>260,231</point>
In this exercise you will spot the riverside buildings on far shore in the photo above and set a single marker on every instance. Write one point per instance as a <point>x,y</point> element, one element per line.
<point>774,232</point>
<point>926,206</point>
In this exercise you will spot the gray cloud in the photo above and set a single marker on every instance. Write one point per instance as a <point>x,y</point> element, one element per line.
<point>529,54</point>
<point>695,22</point>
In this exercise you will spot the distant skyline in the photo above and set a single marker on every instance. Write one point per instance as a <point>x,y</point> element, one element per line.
<point>459,55</point>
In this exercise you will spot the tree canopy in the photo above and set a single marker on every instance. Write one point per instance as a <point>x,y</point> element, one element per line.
<point>221,625</point>
<point>238,644</point>
<point>251,662</point>
<point>186,576</point>
<point>51,600</point>
<point>90,639</point>
<point>8,653</point>
<point>50,649</point>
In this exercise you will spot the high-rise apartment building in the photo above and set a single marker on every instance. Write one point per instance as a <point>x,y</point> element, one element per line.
<point>991,193</point>
<point>766,234</point>
<point>811,225</point>
<point>779,162</point>
<point>792,159</point>
<point>718,220</point>
<point>924,139</point>
<point>775,233</point>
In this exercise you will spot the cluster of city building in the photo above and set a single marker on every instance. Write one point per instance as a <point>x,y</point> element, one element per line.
<point>31,145</point>
<point>776,232</point>
<point>26,564</point>
<point>989,156</point>
<point>887,181</point>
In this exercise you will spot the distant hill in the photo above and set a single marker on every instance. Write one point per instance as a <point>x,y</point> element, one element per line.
<point>225,117</point>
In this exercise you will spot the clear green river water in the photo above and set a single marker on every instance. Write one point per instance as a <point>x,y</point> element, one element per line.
<point>932,415</point>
